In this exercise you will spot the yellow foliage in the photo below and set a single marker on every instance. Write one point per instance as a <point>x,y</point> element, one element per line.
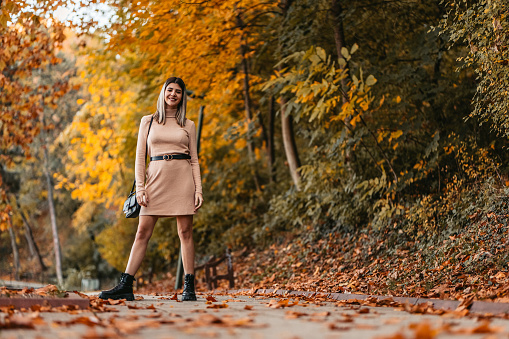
<point>92,160</point>
<point>395,135</point>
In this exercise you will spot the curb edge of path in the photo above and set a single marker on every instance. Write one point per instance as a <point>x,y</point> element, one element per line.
<point>439,304</point>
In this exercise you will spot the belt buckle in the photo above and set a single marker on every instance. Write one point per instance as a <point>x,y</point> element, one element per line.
<point>167,157</point>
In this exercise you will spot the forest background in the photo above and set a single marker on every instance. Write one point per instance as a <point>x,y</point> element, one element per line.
<point>346,145</point>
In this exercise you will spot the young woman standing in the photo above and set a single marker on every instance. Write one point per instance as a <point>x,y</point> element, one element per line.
<point>169,187</point>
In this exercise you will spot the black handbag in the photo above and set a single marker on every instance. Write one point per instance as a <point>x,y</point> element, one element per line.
<point>131,206</point>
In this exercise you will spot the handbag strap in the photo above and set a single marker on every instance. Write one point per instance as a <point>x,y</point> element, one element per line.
<point>146,151</point>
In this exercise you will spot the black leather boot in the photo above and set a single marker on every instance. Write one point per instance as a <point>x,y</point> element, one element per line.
<point>188,293</point>
<point>124,290</point>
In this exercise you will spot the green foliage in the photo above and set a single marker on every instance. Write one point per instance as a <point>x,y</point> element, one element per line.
<point>481,27</point>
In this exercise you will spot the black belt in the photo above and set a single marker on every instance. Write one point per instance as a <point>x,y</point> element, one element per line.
<point>171,157</point>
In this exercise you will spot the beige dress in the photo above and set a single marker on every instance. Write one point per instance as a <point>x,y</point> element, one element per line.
<point>170,185</point>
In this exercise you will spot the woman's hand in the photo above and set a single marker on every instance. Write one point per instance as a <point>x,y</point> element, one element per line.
<point>142,198</point>
<point>198,201</point>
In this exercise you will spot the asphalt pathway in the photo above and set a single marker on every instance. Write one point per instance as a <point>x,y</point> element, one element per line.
<point>256,317</point>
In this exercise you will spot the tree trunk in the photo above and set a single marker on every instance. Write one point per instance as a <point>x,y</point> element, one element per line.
<point>270,141</point>
<point>29,240</point>
<point>292,155</point>
<point>247,98</point>
<point>336,13</point>
<point>15,251</point>
<point>32,245</point>
<point>53,216</point>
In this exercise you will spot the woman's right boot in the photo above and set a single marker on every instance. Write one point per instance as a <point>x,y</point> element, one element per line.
<point>124,290</point>
<point>188,293</point>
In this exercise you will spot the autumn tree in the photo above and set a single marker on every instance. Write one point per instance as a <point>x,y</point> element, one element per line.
<point>372,126</point>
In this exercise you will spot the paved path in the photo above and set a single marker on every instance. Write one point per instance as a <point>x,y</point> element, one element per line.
<point>249,317</point>
<point>20,284</point>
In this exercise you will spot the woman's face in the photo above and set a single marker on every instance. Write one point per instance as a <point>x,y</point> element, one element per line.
<point>173,95</point>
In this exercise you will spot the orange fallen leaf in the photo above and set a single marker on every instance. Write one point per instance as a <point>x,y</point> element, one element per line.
<point>48,289</point>
<point>17,321</point>
<point>392,321</point>
<point>218,306</point>
<point>483,328</point>
<point>294,314</point>
<point>365,327</point>
<point>424,330</point>
<point>320,314</point>
<point>92,334</point>
<point>211,298</point>
<point>131,327</point>
<point>116,302</point>
<point>393,336</point>
<point>282,303</point>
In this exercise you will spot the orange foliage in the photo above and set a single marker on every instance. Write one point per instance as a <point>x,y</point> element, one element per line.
<point>29,43</point>
<point>202,45</point>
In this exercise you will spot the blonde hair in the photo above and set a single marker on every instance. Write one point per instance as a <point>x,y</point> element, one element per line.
<point>180,116</point>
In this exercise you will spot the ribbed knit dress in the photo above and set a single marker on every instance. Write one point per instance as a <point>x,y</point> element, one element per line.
<point>170,185</point>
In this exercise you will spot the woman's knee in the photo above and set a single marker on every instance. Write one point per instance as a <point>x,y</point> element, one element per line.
<point>145,228</point>
<point>143,234</point>
<point>185,233</point>
<point>185,228</point>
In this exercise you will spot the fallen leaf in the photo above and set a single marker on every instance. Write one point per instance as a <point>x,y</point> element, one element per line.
<point>48,289</point>
<point>320,314</point>
<point>211,298</point>
<point>17,321</point>
<point>392,321</point>
<point>218,306</point>
<point>282,303</point>
<point>116,302</point>
<point>423,330</point>
<point>365,327</point>
<point>335,327</point>
<point>294,314</point>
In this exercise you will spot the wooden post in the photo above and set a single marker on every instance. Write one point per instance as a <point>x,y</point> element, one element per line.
<point>180,265</point>
<point>231,278</point>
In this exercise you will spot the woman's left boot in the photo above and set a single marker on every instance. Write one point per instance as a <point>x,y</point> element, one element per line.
<point>188,294</point>
<point>124,290</point>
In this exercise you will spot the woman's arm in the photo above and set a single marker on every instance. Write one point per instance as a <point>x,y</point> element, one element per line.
<point>139,165</point>
<point>193,152</point>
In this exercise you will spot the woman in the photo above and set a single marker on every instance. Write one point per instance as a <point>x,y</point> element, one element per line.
<point>172,187</point>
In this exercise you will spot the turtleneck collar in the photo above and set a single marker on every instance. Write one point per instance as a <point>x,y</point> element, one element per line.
<point>170,112</point>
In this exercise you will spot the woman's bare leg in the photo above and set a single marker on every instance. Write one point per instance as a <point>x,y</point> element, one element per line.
<point>145,228</point>
<point>185,232</point>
